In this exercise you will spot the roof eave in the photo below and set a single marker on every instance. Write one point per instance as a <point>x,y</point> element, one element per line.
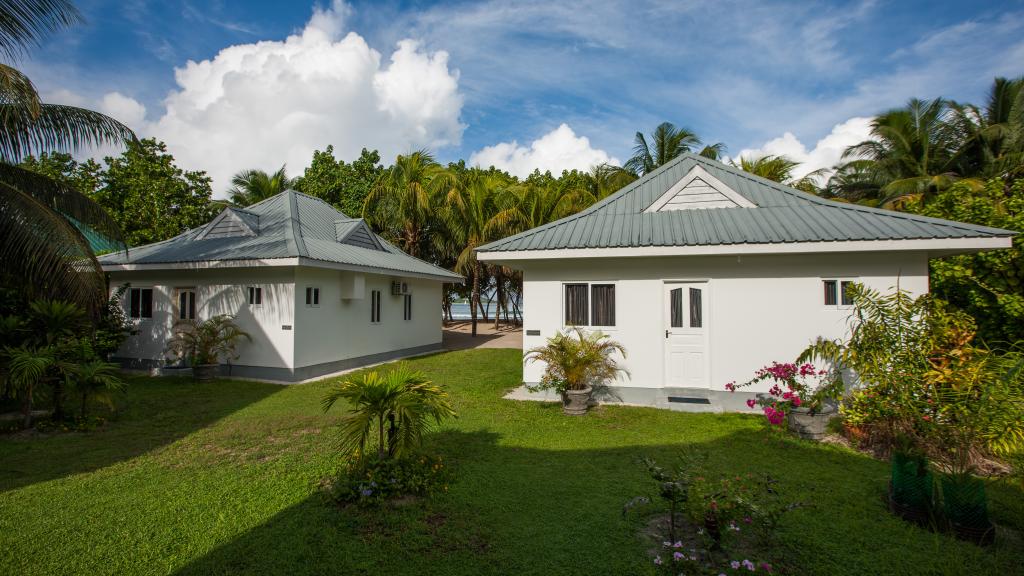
<point>938,246</point>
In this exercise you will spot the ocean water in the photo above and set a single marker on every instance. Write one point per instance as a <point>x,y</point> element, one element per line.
<point>460,311</point>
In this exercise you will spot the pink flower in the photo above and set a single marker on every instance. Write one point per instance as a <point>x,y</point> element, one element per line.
<point>787,395</point>
<point>748,565</point>
<point>735,564</point>
<point>750,403</point>
<point>678,544</point>
<point>731,386</point>
<point>657,560</point>
<point>766,567</point>
<point>797,401</point>
<point>677,556</point>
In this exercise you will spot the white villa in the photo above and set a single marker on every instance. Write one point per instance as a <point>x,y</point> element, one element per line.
<point>318,291</point>
<point>705,273</point>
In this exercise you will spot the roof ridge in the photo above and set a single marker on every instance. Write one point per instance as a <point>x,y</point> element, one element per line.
<point>293,226</point>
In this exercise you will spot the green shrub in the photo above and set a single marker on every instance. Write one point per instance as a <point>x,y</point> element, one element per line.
<point>373,481</point>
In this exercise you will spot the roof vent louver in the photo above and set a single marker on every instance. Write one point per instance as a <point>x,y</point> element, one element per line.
<point>699,190</point>
<point>355,232</point>
<point>231,223</point>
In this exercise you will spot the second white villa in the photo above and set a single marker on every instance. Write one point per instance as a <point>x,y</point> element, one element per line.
<point>318,291</point>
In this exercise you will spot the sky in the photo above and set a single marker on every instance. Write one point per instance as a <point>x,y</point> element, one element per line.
<point>519,85</point>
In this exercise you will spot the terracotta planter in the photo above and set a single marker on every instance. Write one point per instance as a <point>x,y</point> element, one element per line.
<point>205,372</point>
<point>576,402</point>
<point>810,426</point>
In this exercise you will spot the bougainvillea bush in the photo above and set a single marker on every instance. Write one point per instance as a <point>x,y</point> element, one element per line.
<point>793,386</point>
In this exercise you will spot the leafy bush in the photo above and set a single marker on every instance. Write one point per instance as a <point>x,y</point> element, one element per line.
<point>401,405</point>
<point>803,388</point>
<point>373,481</point>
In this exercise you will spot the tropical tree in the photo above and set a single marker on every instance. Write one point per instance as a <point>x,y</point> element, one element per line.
<point>991,138</point>
<point>344,185</point>
<point>27,367</point>
<point>779,169</point>
<point>402,202</point>
<point>912,150</point>
<point>606,179</point>
<point>56,325</point>
<point>251,186</point>
<point>96,380</point>
<point>44,224</point>
<point>469,207</point>
<point>666,143</point>
<point>399,406</point>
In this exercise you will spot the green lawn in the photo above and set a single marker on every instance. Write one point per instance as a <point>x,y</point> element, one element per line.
<point>221,478</point>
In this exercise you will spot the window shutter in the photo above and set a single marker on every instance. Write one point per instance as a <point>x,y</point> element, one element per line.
<point>830,292</point>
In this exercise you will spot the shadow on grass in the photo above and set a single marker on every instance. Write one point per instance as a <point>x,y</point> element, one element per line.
<point>516,510</point>
<point>153,413</point>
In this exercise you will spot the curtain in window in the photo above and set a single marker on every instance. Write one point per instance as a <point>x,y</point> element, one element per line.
<point>147,303</point>
<point>676,305</point>
<point>830,292</point>
<point>576,304</point>
<point>696,319</point>
<point>134,302</point>
<point>602,311</point>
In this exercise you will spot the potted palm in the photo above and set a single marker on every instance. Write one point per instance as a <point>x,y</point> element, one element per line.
<point>577,362</point>
<point>204,343</point>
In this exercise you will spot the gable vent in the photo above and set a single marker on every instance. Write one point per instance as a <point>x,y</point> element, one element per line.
<point>231,223</point>
<point>699,190</point>
<point>355,232</point>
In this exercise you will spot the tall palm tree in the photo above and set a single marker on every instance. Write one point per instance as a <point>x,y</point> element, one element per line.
<point>45,225</point>
<point>401,203</point>
<point>780,169</point>
<point>605,179</point>
<point>911,149</point>
<point>992,138</point>
<point>469,207</point>
<point>251,186</point>
<point>667,142</point>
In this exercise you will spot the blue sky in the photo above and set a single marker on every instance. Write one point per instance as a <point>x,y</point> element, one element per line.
<point>496,81</point>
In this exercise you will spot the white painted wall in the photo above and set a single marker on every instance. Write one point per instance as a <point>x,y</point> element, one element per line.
<point>760,308</point>
<point>218,291</point>
<point>341,328</point>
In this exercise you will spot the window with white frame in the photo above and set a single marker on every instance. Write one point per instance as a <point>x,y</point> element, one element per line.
<point>255,295</point>
<point>407,307</point>
<point>312,297</point>
<point>589,304</point>
<point>836,292</point>
<point>186,302</point>
<point>375,306</point>
<point>140,303</point>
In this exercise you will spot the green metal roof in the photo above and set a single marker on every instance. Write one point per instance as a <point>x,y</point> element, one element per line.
<point>287,225</point>
<point>764,212</point>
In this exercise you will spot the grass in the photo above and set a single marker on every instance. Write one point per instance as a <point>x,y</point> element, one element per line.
<point>221,478</point>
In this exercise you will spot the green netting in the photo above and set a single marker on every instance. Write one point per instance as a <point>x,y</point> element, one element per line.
<point>964,501</point>
<point>911,481</point>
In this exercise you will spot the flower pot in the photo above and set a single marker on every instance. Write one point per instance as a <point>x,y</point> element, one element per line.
<point>810,426</point>
<point>576,402</point>
<point>205,371</point>
<point>910,488</point>
<point>965,506</point>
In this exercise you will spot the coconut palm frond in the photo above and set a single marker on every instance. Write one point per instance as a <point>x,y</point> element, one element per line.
<point>25,23</point>
<point>56,127</point>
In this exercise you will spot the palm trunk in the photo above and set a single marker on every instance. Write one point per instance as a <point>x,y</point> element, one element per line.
<point>85,398</point>
<point>26,407</point>
<point>474,298</point>
<point>380,437</point>
<point>58,403</point>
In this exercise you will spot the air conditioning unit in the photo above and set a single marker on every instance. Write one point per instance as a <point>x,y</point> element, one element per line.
<point>398,288</point>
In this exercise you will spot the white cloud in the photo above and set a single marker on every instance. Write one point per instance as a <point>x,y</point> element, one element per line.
<point>559,149</point>
<point>268,103</point>
<point>124,108</point>
<point>826,153</point>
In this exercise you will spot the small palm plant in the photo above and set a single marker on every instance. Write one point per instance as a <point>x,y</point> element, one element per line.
<point>205,343</point>
<point>97,380</point>
<point>393,409</point>
<point>27,367</point>
<point>576,363</point>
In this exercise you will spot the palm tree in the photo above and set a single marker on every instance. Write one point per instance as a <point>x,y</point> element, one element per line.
<point>401,203</point>
<point>27,367</point>
<point>606,179</point>
<point>780,169</point>
<point>53,325</point>
<point>992,139</point>
<point>667,142</point>
<point>401,405</point>
<point>43,223</point>
<point>469,208</point>
<point>97,380</point>
<point>251,186</point>
<point>911,149</point>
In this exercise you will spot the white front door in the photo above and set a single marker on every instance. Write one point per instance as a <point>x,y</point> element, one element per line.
<point>686,335</point>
